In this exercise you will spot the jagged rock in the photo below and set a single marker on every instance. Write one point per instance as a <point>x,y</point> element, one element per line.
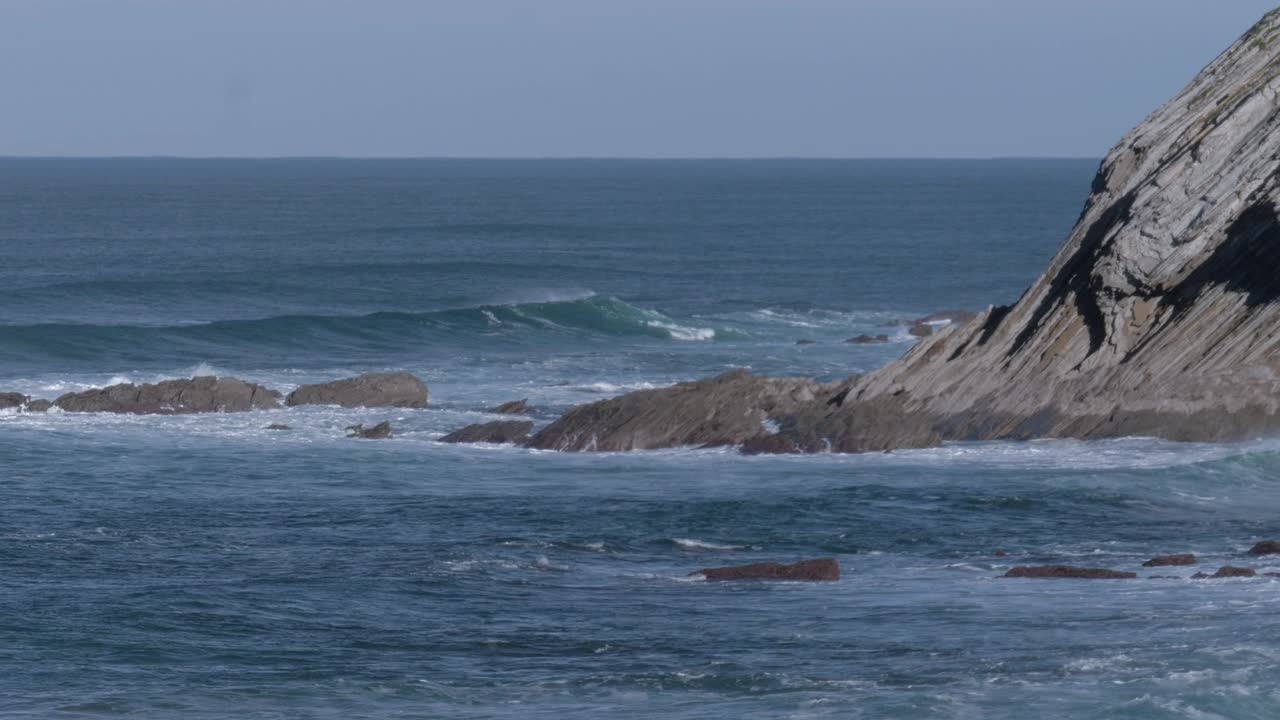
<point>396,389</point>
<point>819,569</point>
<point>501,431</point>
<point>171,397</point>
<point>515,407</point>
<point>769,445</point>
<point>279,426</point>
<point>920,329</point>
<point>378,432</point>
<point>868,339</point>
<point>1167,560</point>
<point>1227,571</point>
<point>37,406</point>
<point>727,409</point>
<point>1266,547</point>
<point>12,400</point>
<point>1067,571</point>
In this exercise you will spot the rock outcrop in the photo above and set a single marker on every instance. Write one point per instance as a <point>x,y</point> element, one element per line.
<point>1159,316</point>
<point>501,431</point>
<point>12,400</point>
<point>1068,572</point>
<point>809,570</point>
<point>727,409</point>
<point>381,431</point>
<point>1170,560</point>
<point>173,397</point>
<point>397,389</point>
<point>515,407</point>
<point>1266,547</point>
<point>1227,571</point>
<point>868,339</point>
<point>38,405</point>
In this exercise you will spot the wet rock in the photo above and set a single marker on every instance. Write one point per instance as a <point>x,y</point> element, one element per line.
<point>819,569</point>
<point>1167,560</point>
<point>727,409</point>
<point>279,426</point>
<point>378,432</point>
<point>1000,553</point>
<point>1067,571</point>
<point>920,329</point>
<point>515,407</point>
<point>806,341</point>
<point>37,406</point>
<point>12,400</point>
<point>775,444</point>
<point>396,389</point>
<point>1230,571</point>
<point>501,431</point>
<point>203,394</point>
<point>868,339</point>
<point>1266,547</point>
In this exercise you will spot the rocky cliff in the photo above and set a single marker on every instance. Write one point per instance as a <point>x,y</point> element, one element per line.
<point>1158,316</point>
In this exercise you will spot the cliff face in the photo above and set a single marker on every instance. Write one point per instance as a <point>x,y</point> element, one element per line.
<point>1158,316</point>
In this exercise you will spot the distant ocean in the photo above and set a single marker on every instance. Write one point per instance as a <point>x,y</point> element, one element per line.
<point>203,567</point>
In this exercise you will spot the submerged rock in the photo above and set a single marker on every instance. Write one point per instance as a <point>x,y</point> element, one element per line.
<point>806,341</point>
<point>515,407</point>
<point>1167,560</point>
<point>1067,571</point>
<point>868,339</point>
<point>501,431</point>
<point>1266,547</point>
<point>726,409</point>
<point>819,569</point>
<point>203,394</point>
<point>1226,571</point>
<point>378,432</point>
<point>279,426</point>
<point>396,389</point>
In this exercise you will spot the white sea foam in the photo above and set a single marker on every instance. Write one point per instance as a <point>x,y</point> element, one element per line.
<point>681,332</point>
<point>693,544</point>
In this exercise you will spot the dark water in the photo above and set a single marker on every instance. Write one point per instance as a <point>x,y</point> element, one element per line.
<point>203,567</point>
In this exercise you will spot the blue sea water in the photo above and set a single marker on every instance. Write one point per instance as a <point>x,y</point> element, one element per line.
<point>203,567</point>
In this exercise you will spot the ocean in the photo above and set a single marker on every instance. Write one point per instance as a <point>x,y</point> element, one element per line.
<point>203,567</point>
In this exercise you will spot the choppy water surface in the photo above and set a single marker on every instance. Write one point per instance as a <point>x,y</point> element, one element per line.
<point>203,567</point>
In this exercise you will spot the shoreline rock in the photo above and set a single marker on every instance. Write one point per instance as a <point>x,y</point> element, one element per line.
<point>499,431</point>
<point>1169,560</point>
<point>818,570</point>
<point>203,394</point>
<point>515,407</point>
<point>395,389</point>
<point>1266,547</point>
<point>1068,572</point>
<point>381,431</point>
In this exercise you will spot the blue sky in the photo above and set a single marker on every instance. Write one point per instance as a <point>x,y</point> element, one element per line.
<point>601,78</point>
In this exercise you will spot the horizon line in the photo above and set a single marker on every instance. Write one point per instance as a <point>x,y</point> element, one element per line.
<point>562,158</point>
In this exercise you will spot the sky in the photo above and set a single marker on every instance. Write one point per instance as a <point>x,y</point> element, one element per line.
<point>596,78</point>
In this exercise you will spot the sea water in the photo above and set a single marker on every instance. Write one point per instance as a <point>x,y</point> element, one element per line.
<point>201,566</point>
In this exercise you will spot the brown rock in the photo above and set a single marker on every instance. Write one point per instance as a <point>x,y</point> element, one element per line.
<point>1166,560</point>
<point>921,329</point>
<point>397,389</point>
<point>1230,571</point>
<point>769,445</point>
<point>819,569</point>
<point>37,405</point>
<point>868,339</point>
<point>1067,571</point>
<point>1266,547</point>
<point>173,397</point>
<point>11,400</point>
<point>515,407</point>
<point>1000,553</point>
<point>501,431</point>
<point>380,431</point>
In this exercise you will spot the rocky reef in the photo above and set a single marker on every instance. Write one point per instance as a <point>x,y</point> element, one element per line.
<point>1157,317</point>
<point>397,389</point>
<point>173,397</point>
